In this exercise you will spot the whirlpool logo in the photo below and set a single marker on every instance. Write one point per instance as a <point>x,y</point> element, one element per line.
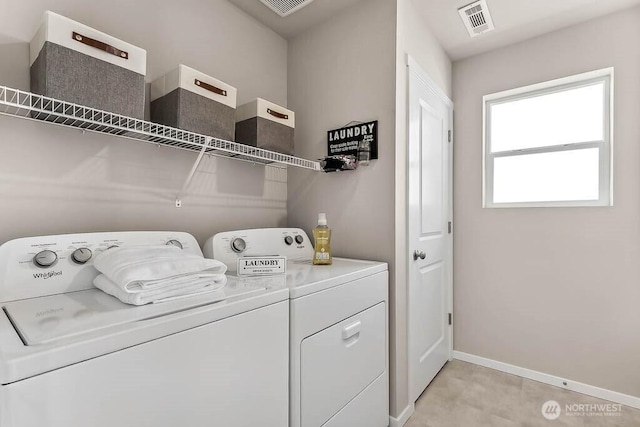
<point>49,312</point>
<point>47,275</point>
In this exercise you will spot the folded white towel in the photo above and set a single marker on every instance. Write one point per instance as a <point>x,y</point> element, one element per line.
<point>145,274</point>
<point>185,286</point>
<point>150,263</point>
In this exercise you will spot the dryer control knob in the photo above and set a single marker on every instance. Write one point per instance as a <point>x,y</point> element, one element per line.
<point>238,245</point>
<point>175,243</point>
<point>288,240</point>
<point>82,255</point>
<point>299,239</point>
<point>45,258</point>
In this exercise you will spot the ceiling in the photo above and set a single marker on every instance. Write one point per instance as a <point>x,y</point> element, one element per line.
<point>514,20</point>
<point>312,14</point>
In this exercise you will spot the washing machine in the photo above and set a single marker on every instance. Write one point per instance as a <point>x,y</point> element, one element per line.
<point>71,355</point>
<point>338,328</point>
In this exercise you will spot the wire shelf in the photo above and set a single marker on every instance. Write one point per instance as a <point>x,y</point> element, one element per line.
<point>14,102</point>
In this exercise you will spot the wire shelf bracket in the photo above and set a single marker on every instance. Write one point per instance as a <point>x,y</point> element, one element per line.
<point>203,151</point>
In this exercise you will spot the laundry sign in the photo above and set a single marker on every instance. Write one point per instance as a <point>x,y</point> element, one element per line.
<point>261,265</point>
<point>345,141</point>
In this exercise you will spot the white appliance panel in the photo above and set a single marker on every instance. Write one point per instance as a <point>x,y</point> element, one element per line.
<point>21,278</point>
<point>338,328</point>
<point>228,246</point>
<point>320,310</point>
<point>330,306</point>
<point>230,373</point>
<point>303,278</point>
<point>78,342</point>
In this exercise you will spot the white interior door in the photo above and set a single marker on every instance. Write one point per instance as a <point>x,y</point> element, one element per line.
<point>429,238</point>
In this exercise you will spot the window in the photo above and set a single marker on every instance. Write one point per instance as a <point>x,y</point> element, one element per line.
<point>550,144</point>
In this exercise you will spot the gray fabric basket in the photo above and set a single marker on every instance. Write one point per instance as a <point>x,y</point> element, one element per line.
<point>68,75</point>
<point>189,111</point>
<point>263,133</point>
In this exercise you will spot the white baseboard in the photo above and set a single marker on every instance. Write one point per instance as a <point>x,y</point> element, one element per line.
<point>403,418</point>
<point>601,393</point>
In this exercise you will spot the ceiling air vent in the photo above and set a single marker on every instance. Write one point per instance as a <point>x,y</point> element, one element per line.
<point>476,18</point>
<point>286,7</point>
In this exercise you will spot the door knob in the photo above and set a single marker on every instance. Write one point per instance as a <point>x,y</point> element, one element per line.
<point>419,254</point>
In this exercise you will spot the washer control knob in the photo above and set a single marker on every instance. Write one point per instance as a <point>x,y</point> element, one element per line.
<point>288,240</point>
<point>175,243</point>
<point>299,239</point>
<point>45,258</point>
<point>238,245</point>
<point>82,255</point>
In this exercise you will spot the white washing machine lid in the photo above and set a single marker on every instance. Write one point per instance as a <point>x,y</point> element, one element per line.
<point>41,334</point>
<point>304,278</point>
<point>61,317</point>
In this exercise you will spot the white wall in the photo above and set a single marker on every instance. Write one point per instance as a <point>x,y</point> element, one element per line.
<point>54,180</point>
<point>340,71</point>
<point>416,40</point>
<point>555,290</point>
<point>345,70</point>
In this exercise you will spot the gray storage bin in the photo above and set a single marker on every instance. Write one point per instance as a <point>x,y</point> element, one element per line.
<point>76,63</point>
<point>264,124</point>
<point>190,100</point>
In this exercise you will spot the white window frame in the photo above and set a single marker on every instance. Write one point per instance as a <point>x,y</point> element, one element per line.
<point>605,145</point>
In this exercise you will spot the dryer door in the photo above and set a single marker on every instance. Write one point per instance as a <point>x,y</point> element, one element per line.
<point>340,362</point>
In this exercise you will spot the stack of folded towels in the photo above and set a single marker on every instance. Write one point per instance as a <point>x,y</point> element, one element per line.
<point>144,274</point>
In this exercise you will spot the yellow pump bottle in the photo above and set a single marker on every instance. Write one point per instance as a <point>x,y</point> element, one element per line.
<point>322,239</point>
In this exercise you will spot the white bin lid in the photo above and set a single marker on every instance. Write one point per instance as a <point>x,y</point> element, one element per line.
<point>188,78</point>
<point>60,30</point>
<point>266,110</point>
